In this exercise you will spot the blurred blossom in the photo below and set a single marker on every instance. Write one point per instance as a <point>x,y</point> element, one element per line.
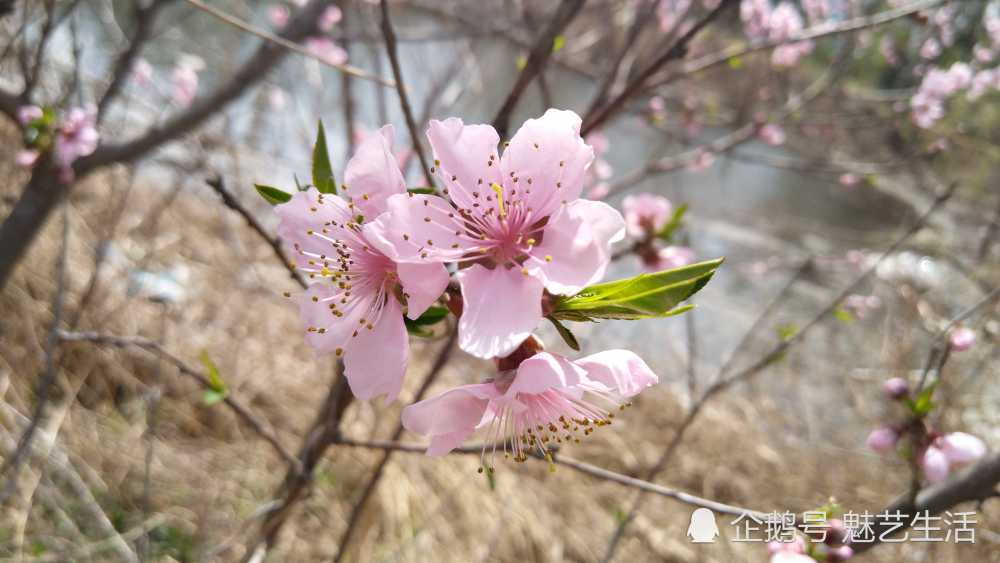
<point>326,49</point>
<point>888,50</point>
<point>278,15</point>
<point>142,72</point>
<point>962,338</point>
<point>645,214</point>
<point>710,4</point>
<point>896,388</point>
<point>983,81</point>
<point>657,108</point>
<point>670,13</point>
<point>669,258</point>
<point>602,169</point>
<point>703,160</point>
<point>599,191</point>
<point>961,448</point>
<point>185,84</point>
<point>849,180</point>
<point>841,553</point>
<point>26,158</point>
<point>861,305</point>
<point>931,49</point>
<point>934,465</point>
<point>330,17</point>
<point>816,10</point>
<point>276,98</point>
<point>77,137</point>
<point>882,440</point>
<point>27,114</point>
<point>598,141</point>
<point>772,134</point>
<point>982,53</point>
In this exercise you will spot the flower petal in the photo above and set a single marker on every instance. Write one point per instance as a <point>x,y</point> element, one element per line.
<point>423,284</point>
<point>372,174</point>
<point>620,371</point>
<point>450,417</point>
<point>375,359</point>
<point>961,448</point>
<point>501,308</point>
<point>308,212</point>
<point>542,372</point>
<point>326,332</point>
<point>576,246</point>
<point>549,159</point>
<point>466,156</point>
<point>420,228</point>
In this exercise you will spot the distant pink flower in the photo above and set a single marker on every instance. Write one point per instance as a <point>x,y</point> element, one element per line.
<point>882,440</point>
<point>142,72</point>
<point>816,10</point>
<point>772,134</point>
<point>326,49</point>
<point>517,219</point>
<point>962,339</point>
<point>983,81</point>
<point>278,14</point>
<point>534,407</point>
<point>931,49</point>
<point>77,136</point>
<point>982,53</point>
<point>670,257</point>
<point>848,179</point>
<point>961,448</point>
<point>276,98</point>
<point>599,191</point>
<point>703,160</point>
<point>935,465</point>
<point>26,158</point>
<point>658,108</point>
<point>27,114</point>
<point>888,50</point>
<point>783,23</point>
<point>861,305</point>
<point>330,17</point>
<point>645,213</point>
<point>185,84</point>
<point>353,306</point>
<point>599,142</point>
<point>896,388</point>
<point>670,13</point>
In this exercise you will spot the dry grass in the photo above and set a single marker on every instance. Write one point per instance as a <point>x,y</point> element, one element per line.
<point>210,475</point>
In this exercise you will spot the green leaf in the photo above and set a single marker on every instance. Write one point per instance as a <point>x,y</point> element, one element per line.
<point>676,222</point>
<point>735,63</point>
<point>215,382</point>
<point>431,316</point>
<point>422,190</point>
<point>641,297</point>
<point>843,315</point>
<point>923,403</point>
<point>558,43</point>
<point>521,62</point>
<point>274,196</point>
<point>298,185</point>
<point>565,333</point>
<point>322,170</point>
<point>212,397</point>
<point>786,331</point>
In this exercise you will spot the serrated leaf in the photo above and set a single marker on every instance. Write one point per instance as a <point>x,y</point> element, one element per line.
<point>568,337</point>
<point>676,221</point>
<point>641,297</point>
<point>272,195</point>
<point>215,382</point>
<point>322,170</point>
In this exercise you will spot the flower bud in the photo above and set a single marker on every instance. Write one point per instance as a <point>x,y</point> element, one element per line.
<point>960,448</point>
<point>962,338</point>
<point>935,464</point>
<point>896,388</point>
<point>882,440</point>
<point>842,553</point>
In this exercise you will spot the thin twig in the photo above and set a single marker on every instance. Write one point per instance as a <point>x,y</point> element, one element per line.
<point>404,100</point>
<point>145,17</point>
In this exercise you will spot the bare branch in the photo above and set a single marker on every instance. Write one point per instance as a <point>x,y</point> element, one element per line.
<point>537,59</point>
<point>145,17</point>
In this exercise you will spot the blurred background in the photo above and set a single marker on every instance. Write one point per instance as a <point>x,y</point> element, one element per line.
<point>133,459</point>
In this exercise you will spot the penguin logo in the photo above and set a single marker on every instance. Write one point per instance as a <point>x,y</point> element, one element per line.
<point>702,528</point>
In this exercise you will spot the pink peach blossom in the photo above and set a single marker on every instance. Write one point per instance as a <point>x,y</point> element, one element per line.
<point>848,179</point>
<point>537,405</point>
<point>772,134</point>
<point>278,14</point>
<point>599,191</point>
<point>896,387</point>
<point>185,84</point>
<point>882,440</point>
<point>670,257</point>
<point>961,448</point>
<point>27,114</point>
<point>142,72</point>
<point>26,158</point>
<point>703,160</point>
<point>934,464</point>
<point>517,219</point>
<point>326,50</point>
<point>354,304</point>
<point>77,136</point>
<point>931,49</point>
<point>645,214</point>
<point>962,339</point>
<point>330,17</point>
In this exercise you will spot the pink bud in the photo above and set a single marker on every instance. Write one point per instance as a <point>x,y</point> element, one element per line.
<point>960,448</point>
<point>278,15</point>
<point>848,179</point>
<point>934,464</point>
<point>962,338</point>
<point>330,17</point>
<point>772,134</point>
<point>842,553</point>
<point>27,114</point>
<point>26,158</point>
<point>882,440</point>
<point>896,388</point>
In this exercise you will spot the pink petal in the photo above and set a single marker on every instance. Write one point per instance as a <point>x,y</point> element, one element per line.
<point>961,448</point>
<point>423,285</point>
<point>501,308</point>
<point>620,371</point>
<point>578,240</point>
<point>419,228</point>
<point>450,417</point>
<point>882,440</point>
<point>375,359</point>
<point>645,211</point>
<point>297,219</point>
<point>934,464</point>
<point>463,154</point>
<point>550,153</point>
<point>372,175</point>
<point>315,313</point>
<point>545,371</point>
<point>26,158</point>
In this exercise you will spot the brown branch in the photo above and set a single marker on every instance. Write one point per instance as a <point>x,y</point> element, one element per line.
<point>676,51</point>
<point>257,425</point>
<point>537,59</point>
<point>404,100</point>
<point>643,15</point>
<point>230,201</point>
<point>356,511</point>
<point>145,17</point>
